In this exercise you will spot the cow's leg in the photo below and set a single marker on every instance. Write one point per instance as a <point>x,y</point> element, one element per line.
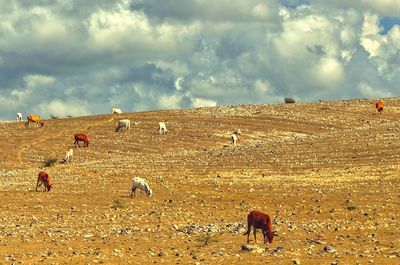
<point>37,184</point>
<point>248,232</point>
<point>254,229</point>
<point>264,234</point>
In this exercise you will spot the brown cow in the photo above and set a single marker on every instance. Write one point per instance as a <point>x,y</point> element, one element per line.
<point>80,137</point>
<point>45,179</point>
<point>261,221</point>
<point>379,106</point>
<point>34,119</point>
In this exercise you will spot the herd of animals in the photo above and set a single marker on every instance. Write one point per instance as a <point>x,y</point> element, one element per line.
<point>255,219</point>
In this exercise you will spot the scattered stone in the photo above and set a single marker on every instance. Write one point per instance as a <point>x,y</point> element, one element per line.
<point>252,248</point>
<point>277,250</point>
<point>329,249</point>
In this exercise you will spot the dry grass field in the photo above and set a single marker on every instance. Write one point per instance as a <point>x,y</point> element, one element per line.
<point>328,173</point>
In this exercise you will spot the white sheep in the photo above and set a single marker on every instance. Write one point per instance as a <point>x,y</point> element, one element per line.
<point>235,136</point>
<point>116,111</point>
<point>162,128</point>
<point>139,183</point>
<point>237,131</point>
<point>68,155</point>
<point>125,123</point>
<point>19,116</point>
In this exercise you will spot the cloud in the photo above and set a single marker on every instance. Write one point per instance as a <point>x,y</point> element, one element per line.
<point>383,7</point>
<point>59,108</point>
<point>368,91</point>
<point>383,50</point>
<point>201,102</point>
<point>178,83</point>
<point>85,57</point>
<point>32,85</point>
<point>201,10</point>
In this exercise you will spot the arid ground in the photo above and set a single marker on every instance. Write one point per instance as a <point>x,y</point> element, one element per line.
<point>328,173</point>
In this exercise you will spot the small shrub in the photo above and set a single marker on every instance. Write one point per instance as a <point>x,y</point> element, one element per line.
<point>49,162</point>
<point>117,204</point>
<point>54,117</point>
<point>205,240</point>
<point>289,100</point>
<point>351,207</point>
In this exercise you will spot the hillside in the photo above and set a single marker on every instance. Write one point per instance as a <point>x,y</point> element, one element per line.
<point>327,173</point>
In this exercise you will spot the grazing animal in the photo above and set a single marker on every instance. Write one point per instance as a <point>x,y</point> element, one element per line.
<point>68,155</point>
<point>19,116</point>
<point>379,106</point>
<point>125,123</point>
<point>261,221</point>
<point>237,131</point>
<point>34,119</point>
<point>116,111</point>
<point>235,136</point>
<point>45,180</point>
<point>162,128</point>
<point>139,183</point>
<point>80,137</point>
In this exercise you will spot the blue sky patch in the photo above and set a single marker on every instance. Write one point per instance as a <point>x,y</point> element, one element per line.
<point>387,23</point>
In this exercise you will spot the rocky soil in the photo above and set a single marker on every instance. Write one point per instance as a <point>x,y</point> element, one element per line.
<point>327,173</point>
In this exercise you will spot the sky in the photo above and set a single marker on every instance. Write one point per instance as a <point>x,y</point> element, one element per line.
<point>84,57</point>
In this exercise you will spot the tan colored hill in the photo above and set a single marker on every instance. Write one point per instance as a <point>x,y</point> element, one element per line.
<point>327,173</point>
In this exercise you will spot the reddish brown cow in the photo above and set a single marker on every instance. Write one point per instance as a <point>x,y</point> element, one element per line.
<point>261,221</point>
<point>379,106</point>
<point>80,137</point>
<point>45,179</point>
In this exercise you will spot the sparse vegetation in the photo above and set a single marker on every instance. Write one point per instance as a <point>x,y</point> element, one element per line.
<point>329,180</point>
<point>289,100</point>
<point>204,240</point>
<point>50,162</point>
<point>53,116</point>
<point>117,204</point>
<point>351,207</point>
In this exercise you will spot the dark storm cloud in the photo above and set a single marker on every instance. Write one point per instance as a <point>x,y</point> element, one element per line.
<point>188,10</point>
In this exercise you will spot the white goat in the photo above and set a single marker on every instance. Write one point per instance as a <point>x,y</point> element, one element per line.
<point>162,128</point>
<point>19,116</point>
<point>125,123</point>
<point>68,155</point>
<point>235,136</point>
<point>237,131</point>
<point>116,111</point>
<point>139,183</point>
